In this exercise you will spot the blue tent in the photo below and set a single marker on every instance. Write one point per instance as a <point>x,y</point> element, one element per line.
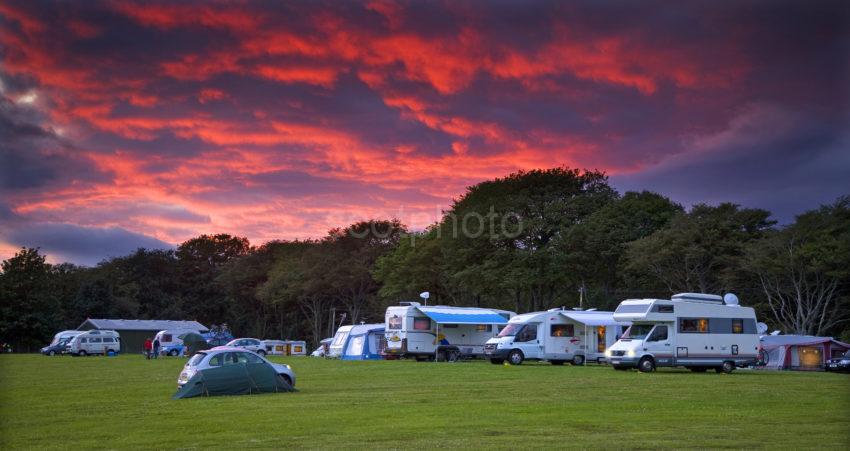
<point>362,342</point>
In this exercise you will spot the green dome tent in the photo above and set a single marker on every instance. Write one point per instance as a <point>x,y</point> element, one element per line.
<point>194,343</point>
<point>236,379</point>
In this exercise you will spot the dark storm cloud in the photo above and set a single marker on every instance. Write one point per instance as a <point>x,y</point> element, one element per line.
<point>82,245</point>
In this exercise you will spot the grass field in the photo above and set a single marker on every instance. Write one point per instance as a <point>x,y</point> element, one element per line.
<point>124,402</point>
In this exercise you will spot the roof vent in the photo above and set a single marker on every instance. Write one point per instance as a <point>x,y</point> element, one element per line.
<point>698,297</point>
<point>410,303</point>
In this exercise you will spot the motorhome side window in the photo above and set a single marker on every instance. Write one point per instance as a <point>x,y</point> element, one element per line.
<point>693,325</point>
<point>95,340</point>
<point>658,334</point>
<point>562,330</point>
<point>527,333</point>
<point>394,322</point>
<point>421,324</point>
<point>663,308</point>
<point>483,328</point>
<point>737,326</point>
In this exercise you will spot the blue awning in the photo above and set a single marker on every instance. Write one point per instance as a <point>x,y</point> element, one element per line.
<point>463,315</point>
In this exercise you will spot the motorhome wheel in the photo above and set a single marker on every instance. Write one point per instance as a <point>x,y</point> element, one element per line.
<point>453,355</point>
<point>727,367</point>
<point>516,357</point>
<point>578,360</point>
<point>81,353</point>
<point>646,365</point>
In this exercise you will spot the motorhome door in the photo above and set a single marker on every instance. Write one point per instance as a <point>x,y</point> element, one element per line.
<point>658,344</point>
<point>528,340</point>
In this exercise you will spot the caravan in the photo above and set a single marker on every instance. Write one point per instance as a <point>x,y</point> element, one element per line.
<point>693,330</point>
<point>95,342</point>
<point>361,342</point>
<point>171,340</point>
<point>555,335</point>
<point>441,332</point>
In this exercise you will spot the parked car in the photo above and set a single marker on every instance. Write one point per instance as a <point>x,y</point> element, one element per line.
<point>229,355</point>
<point>839,364</point>
<point>251,344</point>
<point>56,348</point>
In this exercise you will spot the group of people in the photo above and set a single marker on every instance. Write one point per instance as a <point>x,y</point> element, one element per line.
<point>151,348</point>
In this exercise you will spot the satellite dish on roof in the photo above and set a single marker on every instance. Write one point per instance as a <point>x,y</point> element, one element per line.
<point>761,328</point>
<point>730,299</point>
<point>775,333</point>
<point>425,295</point>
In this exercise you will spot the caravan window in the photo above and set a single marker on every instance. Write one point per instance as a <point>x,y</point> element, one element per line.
<point>94,340</point>
<point>394,322</point>
<point>562,330</point>
<point>483,328</point>
<point>107,340</point>
<point>737,326</point>
<point>421,324</point>
<point>693,325</point>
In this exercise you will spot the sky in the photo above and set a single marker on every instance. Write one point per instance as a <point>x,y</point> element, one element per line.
<point>126,125</point>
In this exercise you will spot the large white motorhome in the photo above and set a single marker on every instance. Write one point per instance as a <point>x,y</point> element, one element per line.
<point>441,332</point>
<point>693,330</point>
<point>555,335</point>
<point>95,342</point>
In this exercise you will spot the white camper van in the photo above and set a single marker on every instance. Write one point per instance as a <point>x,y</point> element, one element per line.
<point>693,330</point>
<point>95,342</point>
<point>441,332</point>
<point>171,340</point>
<point>555,335</point>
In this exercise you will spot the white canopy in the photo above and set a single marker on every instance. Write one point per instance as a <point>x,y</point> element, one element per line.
<point>593,318</point>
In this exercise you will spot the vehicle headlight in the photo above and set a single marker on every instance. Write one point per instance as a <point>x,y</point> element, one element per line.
<point>631,353</point>
<point>607,353</point>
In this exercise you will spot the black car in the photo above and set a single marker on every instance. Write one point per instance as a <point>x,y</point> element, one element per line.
<point>58,348</point>
<point>839,364</point>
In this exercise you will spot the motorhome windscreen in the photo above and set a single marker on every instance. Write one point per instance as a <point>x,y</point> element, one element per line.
<point>637,331</point>
<point>632,308</point>
<point>510,330</point>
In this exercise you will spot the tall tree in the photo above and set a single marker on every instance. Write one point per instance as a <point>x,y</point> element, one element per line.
<point>28,309</point>
<point>700,251</point>
<point>200,261</point>
<point>804,270</point>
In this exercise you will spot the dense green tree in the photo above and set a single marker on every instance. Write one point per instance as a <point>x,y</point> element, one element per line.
<point>701,251</point>
<point>28,308</point>
<point>594,248</point>
<point>200,261</point>
<point>804,270</point>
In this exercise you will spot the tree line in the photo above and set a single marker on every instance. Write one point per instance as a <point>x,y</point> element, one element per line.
<point>529,241</point>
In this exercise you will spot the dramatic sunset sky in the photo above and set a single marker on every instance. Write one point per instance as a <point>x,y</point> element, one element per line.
<point>128,125</point>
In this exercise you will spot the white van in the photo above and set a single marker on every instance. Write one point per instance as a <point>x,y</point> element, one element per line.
<point>693,330</point>
<point>555,335</point>
<point>95,342</point>
<point>171,341</point>
<point>440,332</point>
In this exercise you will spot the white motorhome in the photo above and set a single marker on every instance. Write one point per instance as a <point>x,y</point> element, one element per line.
<point>440,332</point>
<point>693,330</point>
<point>65,335</point>
<point>555,335</point>
<point>95,342</point>
<point>171,340</point>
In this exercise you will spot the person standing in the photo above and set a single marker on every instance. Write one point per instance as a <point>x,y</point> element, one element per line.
<point>148,347</point>
<point>155,347</point>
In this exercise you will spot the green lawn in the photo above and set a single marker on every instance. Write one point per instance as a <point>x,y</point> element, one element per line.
<point>124,402</point>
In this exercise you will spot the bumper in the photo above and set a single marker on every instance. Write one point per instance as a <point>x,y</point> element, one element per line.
<point>623,362</point>
<point>498,354</point>
<point>837,367</point>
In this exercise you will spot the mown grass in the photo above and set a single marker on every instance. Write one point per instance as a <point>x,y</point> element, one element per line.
<point>124,402</point>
